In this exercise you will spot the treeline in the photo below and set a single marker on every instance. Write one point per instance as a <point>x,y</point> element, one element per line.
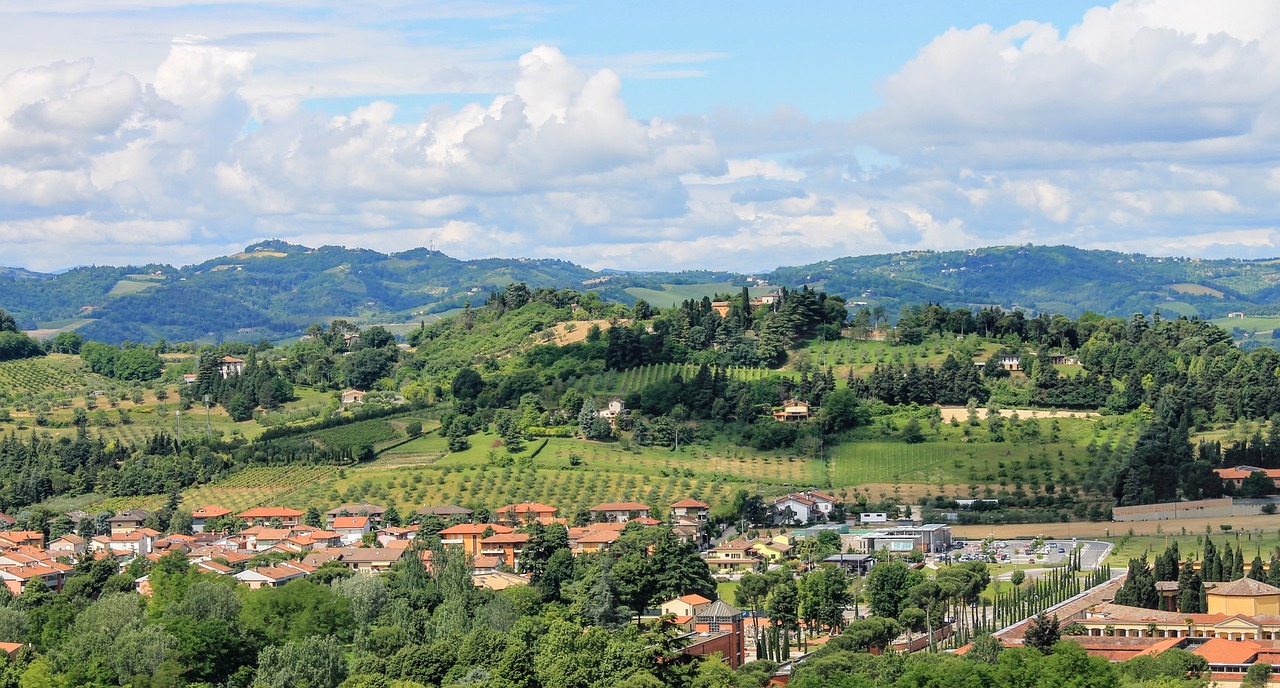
<point>747,335</point>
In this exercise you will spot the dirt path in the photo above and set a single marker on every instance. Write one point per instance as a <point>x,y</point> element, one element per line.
<point>961,413</point>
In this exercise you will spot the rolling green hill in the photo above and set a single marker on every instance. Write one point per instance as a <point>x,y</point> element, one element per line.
<point>273,290</point>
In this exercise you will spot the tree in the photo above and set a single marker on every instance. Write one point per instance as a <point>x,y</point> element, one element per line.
<point>1258,675</point>
<point>467,384</point>
<point>314,662</point>
<point>887,586</point>
<point>1256,485</point>
<point>1043,633</point>
<point>841,410</point>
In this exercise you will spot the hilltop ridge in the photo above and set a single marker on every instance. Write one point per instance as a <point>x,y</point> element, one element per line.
<point>274,289</point>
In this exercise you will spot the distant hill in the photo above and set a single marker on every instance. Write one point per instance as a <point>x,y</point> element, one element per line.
<point>274,290</point>
<point>1060,279</point>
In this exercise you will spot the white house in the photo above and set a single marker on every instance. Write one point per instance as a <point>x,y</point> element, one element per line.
<point>802,507</point>
<point>352,528</point>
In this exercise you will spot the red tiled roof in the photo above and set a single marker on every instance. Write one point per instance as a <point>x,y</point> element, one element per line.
<point>690,503</point>
<point>694,599</point>
<point>1222,651</point>
<point>350,522</point>
<point>210,511</point>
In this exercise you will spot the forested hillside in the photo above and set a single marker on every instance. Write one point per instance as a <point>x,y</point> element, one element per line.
<point>274,290</point>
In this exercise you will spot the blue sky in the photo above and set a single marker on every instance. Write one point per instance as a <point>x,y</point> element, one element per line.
<point>735,135</point>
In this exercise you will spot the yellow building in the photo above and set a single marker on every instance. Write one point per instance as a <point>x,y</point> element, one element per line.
<point>1244,596</point>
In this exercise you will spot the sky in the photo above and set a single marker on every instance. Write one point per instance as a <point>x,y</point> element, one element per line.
<point>660,135</point>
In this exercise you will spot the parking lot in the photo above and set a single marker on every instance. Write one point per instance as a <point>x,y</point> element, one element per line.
<point>1014,552</point>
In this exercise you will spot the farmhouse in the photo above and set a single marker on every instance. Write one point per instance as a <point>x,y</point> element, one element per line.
<point>353,396</point>
<point>792,410</point>
<point>229,366</point>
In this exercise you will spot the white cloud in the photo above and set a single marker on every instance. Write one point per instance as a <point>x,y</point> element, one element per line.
<point>1141,126</point>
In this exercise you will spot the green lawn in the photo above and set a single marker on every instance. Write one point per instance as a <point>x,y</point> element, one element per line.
<point>675,294</point>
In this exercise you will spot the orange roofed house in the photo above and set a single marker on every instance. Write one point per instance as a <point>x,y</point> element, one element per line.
<point>1236,475</point>
<point>200,517</point>
<point>468,535</point>
<point>265,514</point>
<point>526,512</point>
<point>507,546</point>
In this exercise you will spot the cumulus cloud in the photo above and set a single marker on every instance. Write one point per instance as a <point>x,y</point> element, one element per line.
<point>1149,125</point>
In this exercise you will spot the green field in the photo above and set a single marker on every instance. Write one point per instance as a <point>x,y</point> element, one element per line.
<point>1254,542</point>
<point>862,355</point>
<point>676,294</point>
<point>1255,326</point>
<point>134,284</point>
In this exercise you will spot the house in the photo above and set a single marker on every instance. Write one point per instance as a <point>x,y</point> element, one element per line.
<point>391,534</point>
<point>20,538</point>
<point>201,517</point>
<point>352,528</point>
<point>269,576</point>
<point>721,308</point>
<point>1235,314</point>
<point>127,521</point>
<point>190,378</point>
<point>594,541</point>
<point>873,517</point>
<point>802,507</point>
<point>1009,362</point>
<point>732,556</point>
<point>506,546</point>
<point>266,514</point>
<point>685,606</point>
<point>16,577</point>
<point>792,410</point>
<point>138,541</point>
<point>373,511</point>
<point>468,535</point>
<point>619,512</point>
<point>1235,476</point>
<point>526,512</point>
<point>447,512</point>
<point>612,412</point>
<point>228,366</point>
<point>771,550</point>
<point>261,539</point>
<point>690,510</point>
<point>353,396</point>
<point>70,545</point>
<point>370,559</point>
